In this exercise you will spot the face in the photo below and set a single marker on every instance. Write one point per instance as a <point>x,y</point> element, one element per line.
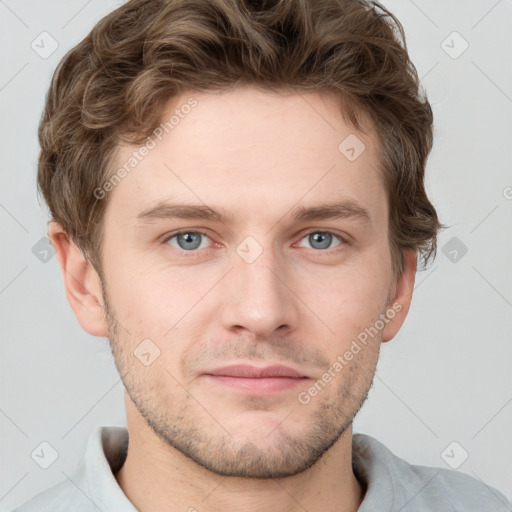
<point>224,322</point>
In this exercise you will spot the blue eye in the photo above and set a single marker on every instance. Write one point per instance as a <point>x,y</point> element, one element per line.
<point>187,240</point>
<point>191,241</point>
<point>321,240</point>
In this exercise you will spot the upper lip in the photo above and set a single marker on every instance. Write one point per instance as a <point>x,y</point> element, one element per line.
<point>248,371</point>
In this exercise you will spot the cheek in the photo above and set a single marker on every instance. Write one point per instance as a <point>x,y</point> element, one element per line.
<point>349,297</point>
<point>148,300</point>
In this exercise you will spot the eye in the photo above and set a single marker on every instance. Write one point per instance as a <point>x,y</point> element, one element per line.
<point>187,240</point>
<point>322,240</point>
<point>190,241</point>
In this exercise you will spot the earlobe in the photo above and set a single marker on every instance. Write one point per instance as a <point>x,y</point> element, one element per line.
<point>81,281</point>
<point>399,304</point>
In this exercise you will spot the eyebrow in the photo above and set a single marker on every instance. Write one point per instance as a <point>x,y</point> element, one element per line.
<point>345,209</point>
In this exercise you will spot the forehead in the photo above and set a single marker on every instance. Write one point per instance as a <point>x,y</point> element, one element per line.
<point>252,152</point>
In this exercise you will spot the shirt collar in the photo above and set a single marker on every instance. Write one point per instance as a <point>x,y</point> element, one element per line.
<point>104,455</point>
<point>107,448</point>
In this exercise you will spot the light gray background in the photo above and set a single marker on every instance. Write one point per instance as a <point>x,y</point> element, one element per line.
<point>446,376</point>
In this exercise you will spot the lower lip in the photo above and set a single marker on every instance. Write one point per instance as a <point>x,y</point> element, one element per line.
<point>264,385</point>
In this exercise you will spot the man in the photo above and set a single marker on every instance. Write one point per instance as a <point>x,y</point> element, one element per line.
<point>238,204</point>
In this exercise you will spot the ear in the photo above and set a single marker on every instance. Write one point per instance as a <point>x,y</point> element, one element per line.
<point>401,297</point>
<point>82,282</point>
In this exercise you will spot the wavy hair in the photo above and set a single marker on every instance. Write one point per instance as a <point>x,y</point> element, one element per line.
<point>113,85</point>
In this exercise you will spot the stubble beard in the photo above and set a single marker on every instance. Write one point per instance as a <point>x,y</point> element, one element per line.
<point>202,438</point>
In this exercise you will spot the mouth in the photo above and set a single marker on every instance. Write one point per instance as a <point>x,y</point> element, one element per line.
<point>255,380</point>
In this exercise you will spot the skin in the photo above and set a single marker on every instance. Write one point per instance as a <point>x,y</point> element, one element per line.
<point>198,443</point>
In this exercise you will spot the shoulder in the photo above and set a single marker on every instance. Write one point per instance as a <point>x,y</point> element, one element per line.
<point>92,484</point>
<point>409,487</point>
<point>63,497</point>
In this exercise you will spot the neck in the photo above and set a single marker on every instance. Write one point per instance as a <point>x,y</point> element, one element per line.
<point>156,476</point>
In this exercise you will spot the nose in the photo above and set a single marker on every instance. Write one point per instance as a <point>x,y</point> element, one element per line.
<point>259,297</point>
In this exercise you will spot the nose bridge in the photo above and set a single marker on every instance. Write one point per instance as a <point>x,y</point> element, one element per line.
<point>257,299</point>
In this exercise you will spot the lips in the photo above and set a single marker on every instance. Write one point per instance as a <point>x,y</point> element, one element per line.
<point>253,372</point>
<point>251,380</point>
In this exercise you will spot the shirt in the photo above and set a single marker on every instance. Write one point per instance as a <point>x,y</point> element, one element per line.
<point>392,484</point>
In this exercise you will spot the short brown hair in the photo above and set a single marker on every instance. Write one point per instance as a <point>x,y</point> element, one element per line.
<point>112,86</point>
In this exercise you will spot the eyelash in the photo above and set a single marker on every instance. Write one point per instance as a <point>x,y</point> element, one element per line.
<point>192,253</point>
